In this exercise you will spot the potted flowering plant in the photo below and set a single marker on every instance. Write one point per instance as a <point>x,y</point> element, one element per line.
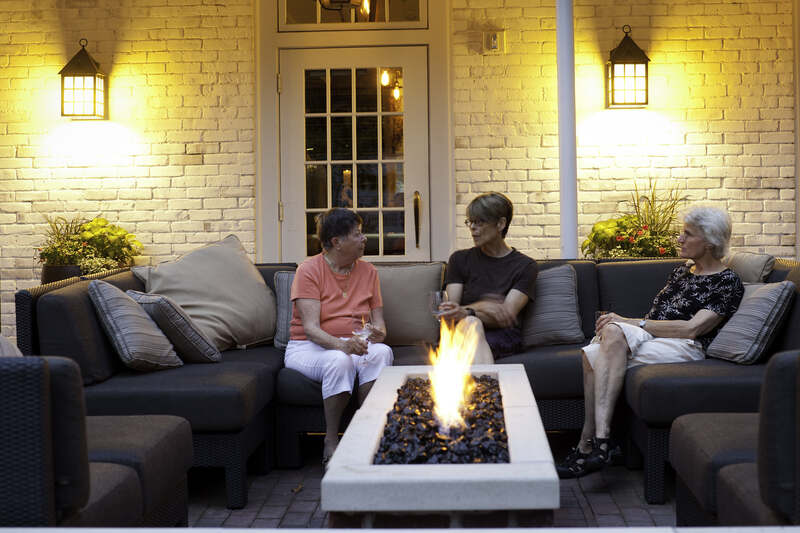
<point>77,246</point>
<point>650,231</point>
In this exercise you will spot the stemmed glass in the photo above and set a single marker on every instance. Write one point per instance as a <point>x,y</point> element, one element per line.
<point>435,299</point>
<point>362,328</point>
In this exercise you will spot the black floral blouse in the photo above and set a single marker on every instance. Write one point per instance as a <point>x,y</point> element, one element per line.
<point>685,294</point>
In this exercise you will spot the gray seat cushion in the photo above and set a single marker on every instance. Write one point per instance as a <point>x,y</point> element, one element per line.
<point>709,385</point>
<point>700,444</point>
<point>115,499</point>
<point>158,447</point>
<point>554,371</point>
<point>220,397</point>
<point>739,501</point>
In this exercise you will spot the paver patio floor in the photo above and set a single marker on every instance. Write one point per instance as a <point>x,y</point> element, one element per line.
<point>290,498</point>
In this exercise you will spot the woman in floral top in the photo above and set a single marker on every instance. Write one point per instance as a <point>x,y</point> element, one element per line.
<point>699,297</point>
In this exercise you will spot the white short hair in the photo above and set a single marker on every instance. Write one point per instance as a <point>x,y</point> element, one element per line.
<point>714,225</point>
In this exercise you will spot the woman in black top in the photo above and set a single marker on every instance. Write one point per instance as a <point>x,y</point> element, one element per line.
<point>488,285</point>
<point>699,297</point>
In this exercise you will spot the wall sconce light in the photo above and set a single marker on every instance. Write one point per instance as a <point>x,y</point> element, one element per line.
<point>84,88</point>
<point>626,74</point>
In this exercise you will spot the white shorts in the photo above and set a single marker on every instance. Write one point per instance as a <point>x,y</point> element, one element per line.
<point>646,349</point>
<point>335,369</point>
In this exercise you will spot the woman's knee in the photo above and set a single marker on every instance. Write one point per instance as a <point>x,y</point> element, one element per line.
<point>340,366</point>
<point>382,354</point>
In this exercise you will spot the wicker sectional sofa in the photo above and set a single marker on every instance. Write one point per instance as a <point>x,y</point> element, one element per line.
<point>250,401</point>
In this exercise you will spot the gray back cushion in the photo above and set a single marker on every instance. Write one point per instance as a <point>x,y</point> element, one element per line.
<point>779,421</point>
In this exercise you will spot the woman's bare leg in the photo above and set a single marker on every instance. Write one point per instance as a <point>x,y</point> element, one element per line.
<point>334,407</point>
<point>609,375</point>
<point>363,390</point>
<point>587,433</point>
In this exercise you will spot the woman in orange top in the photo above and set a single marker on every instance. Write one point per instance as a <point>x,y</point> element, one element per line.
<point>334,294</point>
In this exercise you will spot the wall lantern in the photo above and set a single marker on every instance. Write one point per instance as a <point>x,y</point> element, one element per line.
<point>84,91</point>
<point>626,74</point>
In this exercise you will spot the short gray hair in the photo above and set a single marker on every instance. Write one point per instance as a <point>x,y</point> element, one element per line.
<point>714,225</point>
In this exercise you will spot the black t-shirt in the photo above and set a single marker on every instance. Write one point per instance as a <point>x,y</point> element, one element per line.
<point>482,275</point>
<point>685,294</point>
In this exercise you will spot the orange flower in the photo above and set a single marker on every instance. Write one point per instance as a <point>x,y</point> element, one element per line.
<point>639,232</point>
<point>620,238</point>
<point>661,250</point>
<point>644,227</point>
<point>631,239</point>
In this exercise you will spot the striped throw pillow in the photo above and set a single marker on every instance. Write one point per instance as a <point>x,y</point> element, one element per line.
<point>748,333</point>
<point>134,335</point>
<point>553,317</point>
<point>192,345</point>
<point>283,290</point>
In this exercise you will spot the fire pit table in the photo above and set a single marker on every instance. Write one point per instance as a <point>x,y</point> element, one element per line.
<point>521,492</point>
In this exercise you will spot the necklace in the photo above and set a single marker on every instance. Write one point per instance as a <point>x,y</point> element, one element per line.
<point>346,274</point>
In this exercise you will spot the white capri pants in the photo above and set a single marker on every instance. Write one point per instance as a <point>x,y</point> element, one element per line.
<point>646,349</point>
<point>334,368</point>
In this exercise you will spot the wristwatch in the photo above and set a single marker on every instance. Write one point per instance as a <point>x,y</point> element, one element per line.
<point>470,311</point>
<point>642,322</point>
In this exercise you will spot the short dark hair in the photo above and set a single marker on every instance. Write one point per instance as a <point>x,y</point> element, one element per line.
<point>491,207</point>
<point>336,222</point>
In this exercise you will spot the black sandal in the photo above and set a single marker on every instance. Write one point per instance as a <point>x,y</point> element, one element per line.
<point>603,451</point>
<point>573,465</point>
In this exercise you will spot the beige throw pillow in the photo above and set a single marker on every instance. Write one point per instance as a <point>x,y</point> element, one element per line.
<point>221,290</point>
<point>553,317</point>
<point>405,290</point>
<point>750,267</point>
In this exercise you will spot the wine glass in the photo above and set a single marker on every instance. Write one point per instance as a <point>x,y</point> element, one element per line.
<point>362,328</point>
<point>435,299</point>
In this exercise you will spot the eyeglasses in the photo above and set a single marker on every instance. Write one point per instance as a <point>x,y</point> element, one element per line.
<point>477,223</point>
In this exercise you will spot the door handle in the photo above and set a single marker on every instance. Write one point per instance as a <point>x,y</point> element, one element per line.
<point>417,201</point>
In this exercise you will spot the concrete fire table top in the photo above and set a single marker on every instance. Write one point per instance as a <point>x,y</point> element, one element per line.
<point>353,483</point>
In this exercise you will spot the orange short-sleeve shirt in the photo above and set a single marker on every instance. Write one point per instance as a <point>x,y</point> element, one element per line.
<point>340,295</point>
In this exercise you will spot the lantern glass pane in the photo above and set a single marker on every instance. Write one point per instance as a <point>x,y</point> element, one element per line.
<point>641,69</point>
<point>68,82</point>
<point>641,97</point>
<point>630,69</point>
<point>630,84</point>
<point>619,70</point>
<point>619,97</point>
<point>641,84</point>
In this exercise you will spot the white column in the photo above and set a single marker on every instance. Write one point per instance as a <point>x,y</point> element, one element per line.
<point>567,153</point>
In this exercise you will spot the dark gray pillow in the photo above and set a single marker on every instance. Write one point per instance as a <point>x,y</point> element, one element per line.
<point>136,338</point>
<point>192,345</point>
<point>553,317</point>
<point>750,330</point>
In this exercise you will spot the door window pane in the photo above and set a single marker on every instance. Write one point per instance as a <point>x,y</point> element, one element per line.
<point>316,186</point>
<point>366,90</point>
<point>367,137</point>
<point>403,10</point>
<point>393,185</point>
<point>391,89</point>
<point>341,138</point>
<point>316,139</point>
<point>342,185</point>
<point>315,91</point>
<point>367,185</point>
<point>301,11</point>
<point>370,229</point>
<point>341,91</point>
<point>313,246</point>
<point>392,133</point>
<point>394,239</point>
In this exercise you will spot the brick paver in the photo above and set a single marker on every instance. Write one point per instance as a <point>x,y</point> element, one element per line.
<point>290,499</point>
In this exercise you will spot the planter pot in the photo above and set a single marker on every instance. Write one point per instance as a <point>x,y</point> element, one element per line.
<point>51,273</point>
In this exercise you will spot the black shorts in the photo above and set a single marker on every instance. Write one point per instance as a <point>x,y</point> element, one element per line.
<point>504,341</point>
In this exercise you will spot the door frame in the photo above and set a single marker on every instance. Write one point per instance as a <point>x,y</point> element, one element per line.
<point>436,37</point>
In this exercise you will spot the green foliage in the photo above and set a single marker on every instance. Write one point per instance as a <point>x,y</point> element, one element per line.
<point>651,231</point>
<point>93,245</point>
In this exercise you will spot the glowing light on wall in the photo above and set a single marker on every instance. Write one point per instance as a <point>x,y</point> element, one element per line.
<point>94,144</point>
<point>626,74</point>
<point>641,128</point>
<point>84,88</point>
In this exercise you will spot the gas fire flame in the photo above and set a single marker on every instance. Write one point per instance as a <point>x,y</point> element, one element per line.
<point>451,379</point>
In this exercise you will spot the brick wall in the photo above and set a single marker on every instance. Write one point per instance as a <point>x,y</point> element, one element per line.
<point>175,165</point>
<point>719,127</point>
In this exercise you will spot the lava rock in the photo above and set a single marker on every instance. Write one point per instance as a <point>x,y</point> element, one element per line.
<point>412,434</point>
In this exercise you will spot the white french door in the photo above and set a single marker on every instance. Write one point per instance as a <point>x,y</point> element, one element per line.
<point>354,134</point>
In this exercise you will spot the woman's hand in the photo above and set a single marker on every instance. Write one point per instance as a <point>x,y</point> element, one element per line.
<point>376,334</point>
<point>355,345</point>
<point>607,318</point>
